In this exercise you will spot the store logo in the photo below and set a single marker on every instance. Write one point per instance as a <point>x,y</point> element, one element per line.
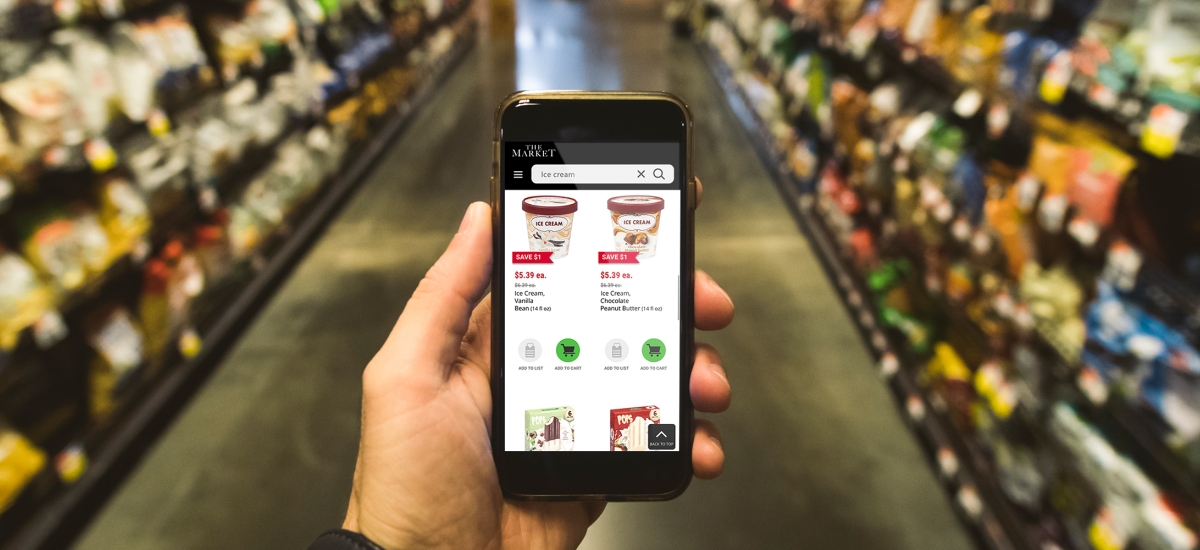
<point>534,151</point>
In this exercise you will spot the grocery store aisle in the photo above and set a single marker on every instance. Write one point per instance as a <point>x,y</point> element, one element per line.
<point>818,457</point>
<point>264,455</point>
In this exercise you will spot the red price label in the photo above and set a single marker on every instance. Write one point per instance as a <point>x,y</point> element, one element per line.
<point>529,275</point>
<point>531,257</point>
<point>618,257</point>
<point>615,275</point>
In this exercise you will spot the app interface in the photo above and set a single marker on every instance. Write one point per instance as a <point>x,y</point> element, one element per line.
<point>592,237</point>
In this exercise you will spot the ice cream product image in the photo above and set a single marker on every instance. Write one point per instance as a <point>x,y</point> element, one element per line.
<point>551,429</point>
<point>635,220</point>
<point>548,220</point>
<point>628,428</point>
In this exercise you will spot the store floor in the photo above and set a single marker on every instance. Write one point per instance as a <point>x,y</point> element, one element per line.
<point>817,456</point>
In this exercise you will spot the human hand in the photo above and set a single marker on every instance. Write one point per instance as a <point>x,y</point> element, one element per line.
<point>425,476</point>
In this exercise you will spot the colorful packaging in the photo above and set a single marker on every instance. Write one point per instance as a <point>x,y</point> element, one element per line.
<point>67,248</point>
<point>154,310</point>
<point>23,298</point>
<point>119,349</point>
<point>19,462</point>
<point>635,221</point>
<point>549,221</point>
<point>629,428</point>
<point>551,429</point>
<point>1096,173</point>
<point>123,214</point>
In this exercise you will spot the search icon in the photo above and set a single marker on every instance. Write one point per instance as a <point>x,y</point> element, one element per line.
<point>658,173</point>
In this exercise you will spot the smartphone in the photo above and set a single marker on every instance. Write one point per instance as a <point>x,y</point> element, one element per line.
<point>593,198</point>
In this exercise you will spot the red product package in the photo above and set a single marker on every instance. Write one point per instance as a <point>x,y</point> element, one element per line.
<point>628,428</point>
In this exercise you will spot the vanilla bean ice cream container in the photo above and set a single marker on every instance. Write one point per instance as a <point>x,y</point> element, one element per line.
<point>548,220</point>
<point>635,220</point>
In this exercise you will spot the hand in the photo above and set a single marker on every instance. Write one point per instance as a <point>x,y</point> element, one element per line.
<point>425,476</point>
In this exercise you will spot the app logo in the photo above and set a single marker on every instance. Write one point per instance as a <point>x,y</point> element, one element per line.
<point>567,350</point>
<point>654,350</point>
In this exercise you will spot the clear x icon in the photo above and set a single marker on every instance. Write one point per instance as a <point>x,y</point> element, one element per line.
<point>641,173</point>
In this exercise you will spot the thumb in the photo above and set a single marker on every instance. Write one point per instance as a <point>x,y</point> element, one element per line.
<point>427,337</point>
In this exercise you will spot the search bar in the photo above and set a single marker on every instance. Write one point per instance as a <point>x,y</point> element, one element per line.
<point>602,173</point>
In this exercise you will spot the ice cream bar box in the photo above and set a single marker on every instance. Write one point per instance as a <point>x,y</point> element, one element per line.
<point>629,428</point>
<point>550,429</point>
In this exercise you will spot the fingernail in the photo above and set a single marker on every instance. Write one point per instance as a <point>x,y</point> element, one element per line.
<point>714,284</point>
<point>467,220</point>
<point>720,371</point>
<point>717,440</point>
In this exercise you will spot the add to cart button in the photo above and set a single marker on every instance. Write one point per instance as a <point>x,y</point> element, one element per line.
<point>618,257</point>
<point>532,257</point>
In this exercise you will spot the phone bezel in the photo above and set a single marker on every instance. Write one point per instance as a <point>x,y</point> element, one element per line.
<point>594,116</point>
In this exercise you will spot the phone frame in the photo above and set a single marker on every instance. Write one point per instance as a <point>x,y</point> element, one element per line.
<point>599,475</point>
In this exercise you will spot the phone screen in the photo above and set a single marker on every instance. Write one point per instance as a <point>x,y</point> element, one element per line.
<point>593,236</point>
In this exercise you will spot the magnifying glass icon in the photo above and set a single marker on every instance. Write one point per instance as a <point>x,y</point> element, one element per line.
<point>658,173</point>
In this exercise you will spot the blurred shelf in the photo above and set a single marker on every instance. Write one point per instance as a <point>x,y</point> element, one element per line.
<point>1123,122</point>
<point>973,495</point>
<point>64,511</point>
<point>1133,428</point>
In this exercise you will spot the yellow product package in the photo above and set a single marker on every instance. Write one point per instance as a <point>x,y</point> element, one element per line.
<point>978,59</point>
<point>123,214</point>
<point>120,349</point>
<point>23,298</point>
<point>52,247</point>
<point>20,460</point>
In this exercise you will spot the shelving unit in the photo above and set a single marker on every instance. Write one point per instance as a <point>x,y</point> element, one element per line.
<point>964,465</point>
<point>52,510</point>
<point>978,505</point>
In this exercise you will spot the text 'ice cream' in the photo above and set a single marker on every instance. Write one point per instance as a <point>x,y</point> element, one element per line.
<point>548,220</point>
<point>635,220</point>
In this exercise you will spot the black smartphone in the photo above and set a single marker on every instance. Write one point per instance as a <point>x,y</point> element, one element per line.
<point>593,198</point>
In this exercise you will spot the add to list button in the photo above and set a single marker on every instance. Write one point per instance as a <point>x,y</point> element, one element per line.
<point>532,257</point>
<point>618,257</point>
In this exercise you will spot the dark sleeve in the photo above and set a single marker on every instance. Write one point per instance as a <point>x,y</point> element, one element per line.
<point>341,539</point>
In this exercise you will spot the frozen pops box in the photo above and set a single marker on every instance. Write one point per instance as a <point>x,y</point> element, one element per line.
<point>629,428</point>
<point>550,429</point>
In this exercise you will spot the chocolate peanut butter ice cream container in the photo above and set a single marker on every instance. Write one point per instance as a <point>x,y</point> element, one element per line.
<point>635,221</point>
<point>548,220</point>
